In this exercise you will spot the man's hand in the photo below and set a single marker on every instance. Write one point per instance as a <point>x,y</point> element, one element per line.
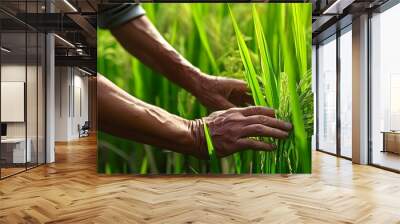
<point>123,115</point>
<point>231,130</point>
<point>219,93</point>
<point>142,40</point>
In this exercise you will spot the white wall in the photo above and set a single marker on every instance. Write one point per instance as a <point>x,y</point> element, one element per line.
<point>33,127</point>
<point>61,103</point>
<point>16,73</point>
<point>13,101</point>
<point>12,73</point>
<point>71,102</point>
<point>80,112</point>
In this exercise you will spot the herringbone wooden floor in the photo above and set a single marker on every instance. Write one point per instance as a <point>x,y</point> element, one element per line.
<point>70,191</point>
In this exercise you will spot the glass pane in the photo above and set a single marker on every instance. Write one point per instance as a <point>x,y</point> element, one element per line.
<point>314,85</point>
<point>327,96</point>
<point>32,86</point>
<point>22,63</point>
<point>346,94</point>
<point>31,100</point>
<point>41,99</point>
<point>385,86</point>
<point>14,153</point>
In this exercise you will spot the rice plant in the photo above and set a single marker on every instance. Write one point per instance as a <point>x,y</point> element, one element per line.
<point>285,85</point>
<point>207,35</point>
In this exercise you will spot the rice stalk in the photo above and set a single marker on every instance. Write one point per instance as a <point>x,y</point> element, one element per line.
<point>288,90</point>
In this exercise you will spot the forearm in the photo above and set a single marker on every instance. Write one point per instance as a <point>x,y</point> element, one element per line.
<point>142,40</point>
<point>122,115</point>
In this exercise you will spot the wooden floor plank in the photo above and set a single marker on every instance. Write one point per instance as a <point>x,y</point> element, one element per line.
<point>70,191</point>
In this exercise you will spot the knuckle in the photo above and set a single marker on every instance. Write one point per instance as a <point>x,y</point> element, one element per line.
<point>264,120</point>
<point>254,110</point>
<point>231,110</point>
<point>234,118</point>
<point>254,144</point>
<point>259,128</point>
<point>277,123</point>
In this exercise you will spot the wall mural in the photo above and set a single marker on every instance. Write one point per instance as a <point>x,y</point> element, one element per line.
<point>267,45</point>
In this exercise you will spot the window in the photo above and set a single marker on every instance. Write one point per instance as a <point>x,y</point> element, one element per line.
<point>314,89</point>
<point>346,92</point>
<point>385,89</point>
<point>22,78</point>
<point>327,96</point>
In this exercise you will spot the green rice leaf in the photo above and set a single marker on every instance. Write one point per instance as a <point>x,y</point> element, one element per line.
<point>268,78</point>
<point>211,151</point>
<point>250,74</point>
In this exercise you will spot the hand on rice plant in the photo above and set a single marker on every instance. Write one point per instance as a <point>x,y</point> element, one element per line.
<point>220,93</point>
<point>284,85</point>
<point>124,115</point>
<point>235,129</point>
<point>143,40</point>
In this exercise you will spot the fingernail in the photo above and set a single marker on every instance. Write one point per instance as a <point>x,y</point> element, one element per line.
<point>289,126</point>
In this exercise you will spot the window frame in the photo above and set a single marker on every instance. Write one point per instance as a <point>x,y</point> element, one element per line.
<point>334,37</point>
